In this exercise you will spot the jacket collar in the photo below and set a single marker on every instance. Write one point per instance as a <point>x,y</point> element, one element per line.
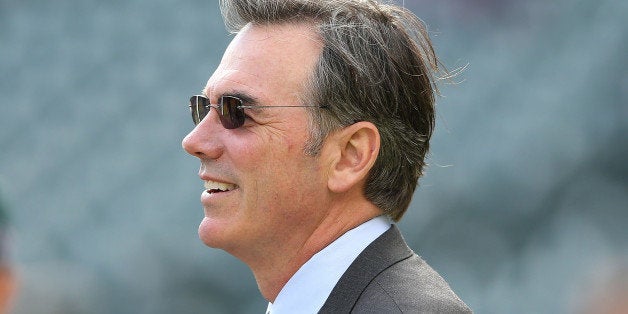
<point>385,251</point>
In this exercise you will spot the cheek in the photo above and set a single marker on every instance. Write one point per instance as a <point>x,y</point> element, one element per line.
<point>272,162</point>
<point>268,152</point>
<point>245,154</point>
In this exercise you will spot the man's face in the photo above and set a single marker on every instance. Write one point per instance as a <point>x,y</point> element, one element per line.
<point>273,188</point>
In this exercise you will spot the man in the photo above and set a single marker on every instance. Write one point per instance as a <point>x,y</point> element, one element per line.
<point>312,134</point>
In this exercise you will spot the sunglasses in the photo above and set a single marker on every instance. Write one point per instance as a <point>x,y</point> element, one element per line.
<point>230,110</point>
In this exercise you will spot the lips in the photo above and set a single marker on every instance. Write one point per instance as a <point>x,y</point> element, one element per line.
<point>218,187</point>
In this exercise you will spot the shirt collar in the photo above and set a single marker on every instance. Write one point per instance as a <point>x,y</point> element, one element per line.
<point>310,286</point>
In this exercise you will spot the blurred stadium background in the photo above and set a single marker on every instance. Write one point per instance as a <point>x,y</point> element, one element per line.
<point>524,206</point>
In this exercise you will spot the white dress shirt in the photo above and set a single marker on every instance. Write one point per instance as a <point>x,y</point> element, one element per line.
<point>308,289</point>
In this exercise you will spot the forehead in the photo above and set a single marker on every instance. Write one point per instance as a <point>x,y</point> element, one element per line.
<point>265,60</point>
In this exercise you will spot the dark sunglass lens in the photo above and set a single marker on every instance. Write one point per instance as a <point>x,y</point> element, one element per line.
<point>231,115</point>
<point>198,108</point>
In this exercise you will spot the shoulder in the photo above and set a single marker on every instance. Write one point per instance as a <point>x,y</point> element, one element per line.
<point>409,286</point>
<point>388,277</point>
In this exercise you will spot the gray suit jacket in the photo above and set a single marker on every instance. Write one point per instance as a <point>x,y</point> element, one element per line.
<point>387,277</point>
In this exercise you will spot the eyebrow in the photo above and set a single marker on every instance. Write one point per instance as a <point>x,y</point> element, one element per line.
<point>246,98</point>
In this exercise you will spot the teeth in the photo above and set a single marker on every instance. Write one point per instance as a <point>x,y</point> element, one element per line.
<point>212,185</point>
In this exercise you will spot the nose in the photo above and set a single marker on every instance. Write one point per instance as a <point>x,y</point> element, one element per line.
<point>204,140</point>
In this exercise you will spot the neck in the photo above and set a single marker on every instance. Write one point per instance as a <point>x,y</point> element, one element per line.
<point>273,267</point>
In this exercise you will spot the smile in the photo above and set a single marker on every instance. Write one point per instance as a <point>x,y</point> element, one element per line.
<point>218,187</point>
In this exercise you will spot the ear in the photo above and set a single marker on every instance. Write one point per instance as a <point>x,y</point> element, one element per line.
<point>356,149</point>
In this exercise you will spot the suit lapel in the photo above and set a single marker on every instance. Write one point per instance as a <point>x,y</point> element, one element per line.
<point>385,251</point>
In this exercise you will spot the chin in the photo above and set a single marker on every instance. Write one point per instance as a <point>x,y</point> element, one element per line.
<point>209,233</point>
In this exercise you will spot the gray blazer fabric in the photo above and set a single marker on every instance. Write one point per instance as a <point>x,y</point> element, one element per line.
<point>387,277</point>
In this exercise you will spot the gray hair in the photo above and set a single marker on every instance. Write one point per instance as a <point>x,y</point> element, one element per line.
<point>377,65</point>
